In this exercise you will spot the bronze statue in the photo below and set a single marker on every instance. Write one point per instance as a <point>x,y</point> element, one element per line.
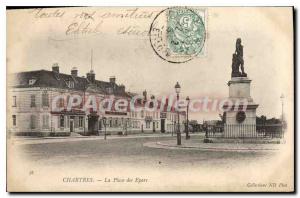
<point>237,60</point>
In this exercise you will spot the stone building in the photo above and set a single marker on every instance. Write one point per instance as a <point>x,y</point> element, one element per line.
<point>32,96</point>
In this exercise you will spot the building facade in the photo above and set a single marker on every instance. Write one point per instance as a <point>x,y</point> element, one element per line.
<point>50,103</point>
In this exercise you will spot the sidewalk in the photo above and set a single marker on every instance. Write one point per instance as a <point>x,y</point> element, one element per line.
<point>198,144</point>
<point>40,140</point>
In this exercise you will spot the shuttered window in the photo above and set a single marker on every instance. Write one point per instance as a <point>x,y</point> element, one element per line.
<point>32,103</point>
<point>80,121</point>
<point>46,121</point>
<point>32,121</point>
<point>14,118</point>
<point>76,124</point>
<point>62,121</point>
<point>45,99</point>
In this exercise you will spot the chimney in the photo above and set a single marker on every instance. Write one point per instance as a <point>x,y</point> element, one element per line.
<point>91,76</point>
<point>74,72</point>
<point>112,79</point>
<point>122,88</point>
<point>55,68</point>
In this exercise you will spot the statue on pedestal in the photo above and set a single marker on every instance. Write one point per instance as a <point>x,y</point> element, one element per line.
<point>237,60</point>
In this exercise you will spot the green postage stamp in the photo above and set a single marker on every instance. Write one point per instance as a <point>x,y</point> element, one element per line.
<point>178,34</point>
<point>185,32</point>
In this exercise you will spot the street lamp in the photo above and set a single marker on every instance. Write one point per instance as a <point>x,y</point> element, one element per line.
<point>126,125</point>
<point>104,123</point>
<point>177,90</point>
<point>187,118</point>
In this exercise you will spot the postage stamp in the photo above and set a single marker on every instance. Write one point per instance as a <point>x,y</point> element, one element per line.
<point>178,34</point>
<point>185,32</point>
<point>149,99</point>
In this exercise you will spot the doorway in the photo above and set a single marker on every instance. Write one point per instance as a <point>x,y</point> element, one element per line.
<point>162,125</point>
<point>72,125</point>
<point>93,125</point>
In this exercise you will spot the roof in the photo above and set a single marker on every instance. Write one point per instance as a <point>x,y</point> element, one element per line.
<point>45,78</point>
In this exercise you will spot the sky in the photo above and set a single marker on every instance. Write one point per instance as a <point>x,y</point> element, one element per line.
<point>38,38</point>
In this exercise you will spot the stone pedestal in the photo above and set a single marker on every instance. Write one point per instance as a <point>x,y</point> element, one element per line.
<point>240,118</point>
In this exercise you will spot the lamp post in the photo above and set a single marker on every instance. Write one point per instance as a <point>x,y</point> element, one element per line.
<point>173,127</point>
<point>126,125</point>
<point>177,90</point>
<point>187,118</point>
<point>104,123</point>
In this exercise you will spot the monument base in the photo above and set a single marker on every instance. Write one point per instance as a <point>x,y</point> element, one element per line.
<point>240,118</point>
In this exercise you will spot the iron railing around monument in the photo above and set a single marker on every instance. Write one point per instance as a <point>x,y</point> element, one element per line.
<point>244,131</point>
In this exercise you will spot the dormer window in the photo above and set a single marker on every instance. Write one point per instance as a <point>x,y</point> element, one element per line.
<point>32,81</point>
<point>70,84</point>
<point>109,90</point>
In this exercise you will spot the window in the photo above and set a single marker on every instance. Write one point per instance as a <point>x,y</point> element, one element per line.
<point>62,121</point>
<point>147,124</point>
<point>109,90</point>
<point>156,124</point>
<point>32,101</point>
<point>32,122</point>
<point>68,100</point>
<point>151,105</point>
<point>45,100</point>
<point>110,122</point>
<point>46,121</point>
<point>142,114</point>
<point>68,122</point>
<point>61,102</point>
<point>99,125</point>
<point>14,101</point>
<point>70,84</point>
<point>14,118</point>
<point>80,121</point>
<point>31,81</point>
<point>76,121</point>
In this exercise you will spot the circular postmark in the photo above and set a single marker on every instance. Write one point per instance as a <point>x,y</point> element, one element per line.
<point>177,34</point>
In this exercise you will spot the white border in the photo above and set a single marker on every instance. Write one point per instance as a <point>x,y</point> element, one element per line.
<point>106,3</point>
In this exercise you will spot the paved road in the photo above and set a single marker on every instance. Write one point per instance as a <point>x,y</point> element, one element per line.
<point>130,151</point>
<point>41,140</point>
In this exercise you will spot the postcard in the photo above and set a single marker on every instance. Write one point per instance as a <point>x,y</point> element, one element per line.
<point>150,99</point>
